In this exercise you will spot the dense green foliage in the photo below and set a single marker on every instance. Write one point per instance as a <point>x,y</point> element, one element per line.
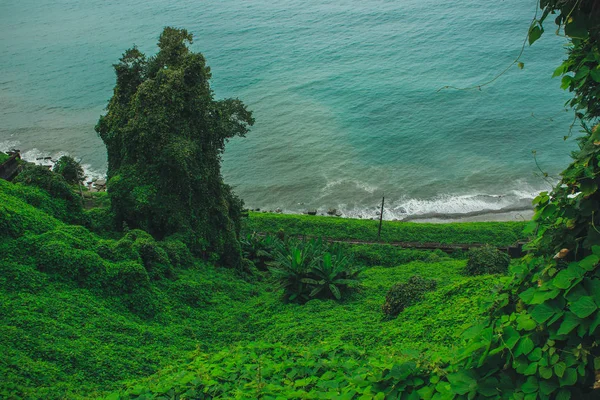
<point>495,233</point>
<point>3,157</point>
<point>486,260</point>
<point>405,294</point>
<point>258,249</point>
<point>42,188</point>
<point>389,256</point>
<point>74,303</point>
<point>312,269</point>
<point>80,312</point>
<point>70,169</point>
<point>165,135</point>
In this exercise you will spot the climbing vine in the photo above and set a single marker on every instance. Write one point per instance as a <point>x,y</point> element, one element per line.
<point>541,339</point>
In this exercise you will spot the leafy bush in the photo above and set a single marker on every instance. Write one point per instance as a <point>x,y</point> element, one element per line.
<point>487,260</point>
<point>67,205</point>
<point>83,266</point>
<point>402,295</point>
<point>127,277</point>
<point>258,249</point>
<point>179,254</point>
<point>100,220</point>
<point>69,169</point>
<point>313,269</point>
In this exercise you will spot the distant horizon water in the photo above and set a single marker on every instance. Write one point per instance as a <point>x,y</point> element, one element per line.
<point>345,96</point>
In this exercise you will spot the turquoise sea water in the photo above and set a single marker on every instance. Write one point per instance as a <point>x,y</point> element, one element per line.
<point>345,95</point>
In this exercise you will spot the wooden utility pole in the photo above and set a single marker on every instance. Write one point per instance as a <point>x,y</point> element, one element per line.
<point>380,217</point>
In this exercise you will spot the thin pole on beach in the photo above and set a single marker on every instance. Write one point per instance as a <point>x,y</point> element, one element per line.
<point>381,217</point>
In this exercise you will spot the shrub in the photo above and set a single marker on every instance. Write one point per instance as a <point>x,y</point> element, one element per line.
<point>100,220</point>
<point>402,295</point>
<point>69,169</point>
<point>21,278</point>
<point>126,277</point>
<point>41,177</point>
<point>83,266</point>
<point>179,254</point>
<point>155,259</point>
<point>312,269</point>
<point>487,260</point>
<point>258,249</point>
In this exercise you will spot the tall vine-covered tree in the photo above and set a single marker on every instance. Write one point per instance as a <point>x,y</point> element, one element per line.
<point>165,134</point>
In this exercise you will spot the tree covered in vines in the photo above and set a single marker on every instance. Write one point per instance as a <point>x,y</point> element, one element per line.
<point>165,135</point>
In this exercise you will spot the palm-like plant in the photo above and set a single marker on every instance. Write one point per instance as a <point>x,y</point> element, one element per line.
<point>310,269</point>
<point>332,275</point>
<point>292,262</point>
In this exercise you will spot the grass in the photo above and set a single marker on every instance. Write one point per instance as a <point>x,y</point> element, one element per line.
<point>495,233</point>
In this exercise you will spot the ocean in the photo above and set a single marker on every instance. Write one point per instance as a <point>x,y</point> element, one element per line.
<point>346,96</point>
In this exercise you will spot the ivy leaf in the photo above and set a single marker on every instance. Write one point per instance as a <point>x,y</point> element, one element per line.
<point>527,295</point>
<point>543,312</point>
<point>546,372</point>
<point>595,74</point>
<point>576,26</point>
<point>560,368</point>
<point>524,347</point>
<point>563,395</point>
<point>570,322</point>
<point>566,82</point>
<point>535,32</point>
<point>525,322</point>
<point>589,263</point>
<point>462,382</point>
<point>588,187</point>
<point>541,296</point>
<point>595,324</point>
<point>569,378</point>
<point>531,369</point>
<point>582,73</point>
<point>510,336</point>
<point>531,385</point>
<point>535,355</point>
<point>547,387</point>
<point>583,307</point>
<point>563,279</point>
<point>562,69</point>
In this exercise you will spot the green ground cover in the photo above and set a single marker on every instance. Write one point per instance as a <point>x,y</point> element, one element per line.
<point>495,233</point>
<point>3,157</point>
<point>83,316</point>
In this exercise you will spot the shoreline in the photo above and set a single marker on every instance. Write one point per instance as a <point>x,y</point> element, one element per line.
<point>507,214</point>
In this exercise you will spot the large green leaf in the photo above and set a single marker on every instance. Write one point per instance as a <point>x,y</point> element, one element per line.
<point>583,307</point>
<point>543,312</point>
<point>535,32</point>
<point>563,279</point>
<point>570,322</point>
<point>524,347</point>
<point>531,385</point>
<point>462,382</point>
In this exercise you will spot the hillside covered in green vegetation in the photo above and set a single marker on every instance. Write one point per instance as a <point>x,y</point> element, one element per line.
<point>83,312</point>
<point>163,288</point>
